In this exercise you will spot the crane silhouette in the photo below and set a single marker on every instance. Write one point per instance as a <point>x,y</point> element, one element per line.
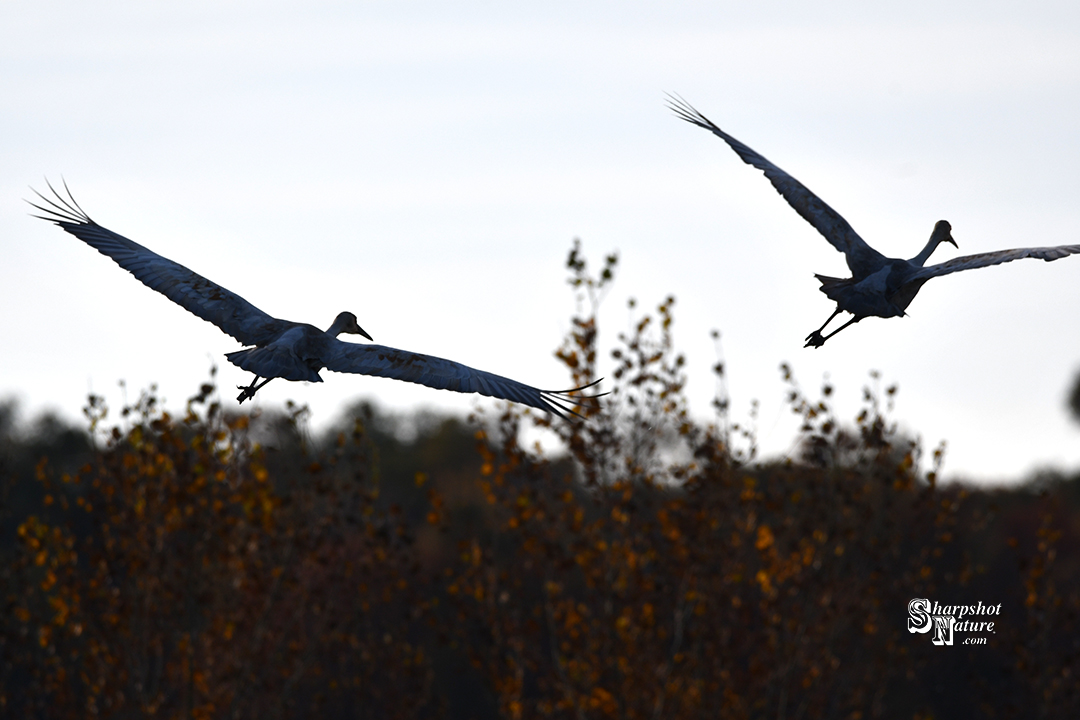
<point>878,286</point>
<point>291,350</point>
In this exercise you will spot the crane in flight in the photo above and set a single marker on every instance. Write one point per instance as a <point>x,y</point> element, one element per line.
<point>878,286</point>
<point>291,350</point>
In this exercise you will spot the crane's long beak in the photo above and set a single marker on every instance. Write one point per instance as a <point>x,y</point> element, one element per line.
<point>360,331</point>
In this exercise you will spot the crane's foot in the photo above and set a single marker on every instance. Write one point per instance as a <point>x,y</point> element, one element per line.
<point>815,339</point>
<point>247,392</point>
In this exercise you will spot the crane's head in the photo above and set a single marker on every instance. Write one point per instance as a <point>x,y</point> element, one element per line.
<point>346,323</point>
<point>943,233</point>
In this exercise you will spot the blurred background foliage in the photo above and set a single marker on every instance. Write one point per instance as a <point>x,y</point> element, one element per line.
<point>214,564</point>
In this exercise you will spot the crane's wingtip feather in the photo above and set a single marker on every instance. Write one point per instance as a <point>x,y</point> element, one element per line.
<point>685,111</point>
<point>60,209</point>
<point>558,402</point>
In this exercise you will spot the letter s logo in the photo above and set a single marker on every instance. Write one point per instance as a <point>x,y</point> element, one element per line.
<point>919,610</point>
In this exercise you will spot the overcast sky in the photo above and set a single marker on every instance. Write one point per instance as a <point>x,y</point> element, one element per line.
<point>427,166</point>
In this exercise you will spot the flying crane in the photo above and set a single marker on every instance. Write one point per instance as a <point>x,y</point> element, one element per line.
<point>291,350</point>
<point>878,286</point>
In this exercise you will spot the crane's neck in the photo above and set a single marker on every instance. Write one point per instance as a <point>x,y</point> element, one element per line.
<point>942,233</point>
<point>923,256</point>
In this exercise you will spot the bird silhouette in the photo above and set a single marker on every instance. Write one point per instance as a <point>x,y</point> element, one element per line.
<point>878,286</point>
<point>291,350</point>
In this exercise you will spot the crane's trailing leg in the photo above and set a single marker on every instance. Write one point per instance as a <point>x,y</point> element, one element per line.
<point>248,393</point>
<point>816,339</point>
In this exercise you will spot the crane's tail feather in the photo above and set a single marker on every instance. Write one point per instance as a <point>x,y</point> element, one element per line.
<point>273,361</point>
<point>834,288</point>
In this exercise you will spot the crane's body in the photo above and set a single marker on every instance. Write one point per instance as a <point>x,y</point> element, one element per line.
<point>285,349</point>
<point>879,286</point>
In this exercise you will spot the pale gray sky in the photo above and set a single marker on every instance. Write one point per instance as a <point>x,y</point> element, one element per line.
<point>426,165</point>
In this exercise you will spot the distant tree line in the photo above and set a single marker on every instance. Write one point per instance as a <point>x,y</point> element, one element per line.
<point>206,563</point>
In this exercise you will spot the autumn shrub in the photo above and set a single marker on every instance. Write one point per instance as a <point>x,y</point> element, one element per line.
<point>187,582</point>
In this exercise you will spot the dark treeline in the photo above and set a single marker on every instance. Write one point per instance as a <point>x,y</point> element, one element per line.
<point>213,564</point>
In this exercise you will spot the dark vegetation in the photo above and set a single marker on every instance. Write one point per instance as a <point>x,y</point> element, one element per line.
<point>218,565</point>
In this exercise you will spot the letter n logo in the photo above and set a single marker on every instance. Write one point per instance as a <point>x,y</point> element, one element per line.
<point>943,629</point>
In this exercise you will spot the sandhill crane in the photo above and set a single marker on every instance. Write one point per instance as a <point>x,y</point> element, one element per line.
<point>290,350</point>
<point>878,285</point>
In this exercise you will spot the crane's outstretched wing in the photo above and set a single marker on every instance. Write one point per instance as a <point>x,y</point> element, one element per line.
<point>443,374</point>
<point>204,298</point>
<point>970,262</point>
<point>861,258</point>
